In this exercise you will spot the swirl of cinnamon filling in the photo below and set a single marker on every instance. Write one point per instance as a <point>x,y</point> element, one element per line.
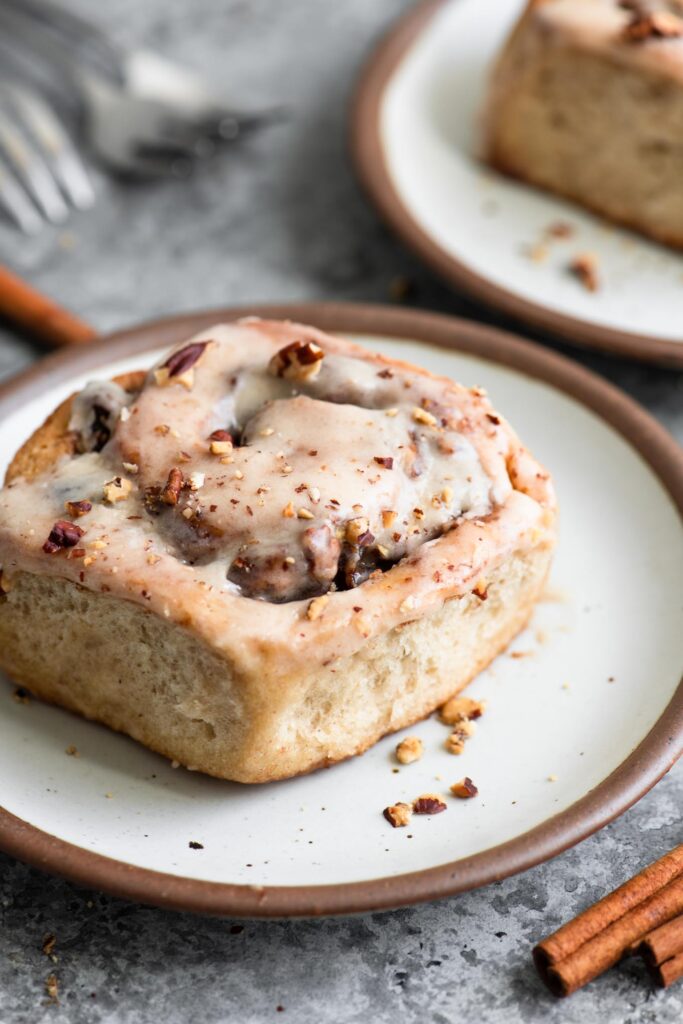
<point>289,462</point>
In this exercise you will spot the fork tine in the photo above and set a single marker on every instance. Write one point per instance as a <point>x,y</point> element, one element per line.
<point>17,204</point>
<point>49,132</point>
<point>32,171</point>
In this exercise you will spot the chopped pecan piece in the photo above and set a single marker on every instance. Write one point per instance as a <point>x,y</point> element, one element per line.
<point>77,508</point>
<point>398,815</point>
<point>62,535</point>
<point>356,529</point>
<point>429,803</point>
<point>220,442</point>
<point>653,25</point>
<point>422,416</point>
<point>409,750</point>
<point>300,360</point>
<point>465,789</point>
<point>179,367</point>
<point>317,607</point>
<point>117,489</point>
<point>459,709</point>
<point>386,461</point>
<point>174,486</point>
<point>455,744</point>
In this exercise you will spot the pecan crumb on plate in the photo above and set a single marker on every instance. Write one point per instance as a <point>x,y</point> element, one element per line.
<point>458,709</point>
<point>409,750</point>
<point>398,815</point>
<point>429,803</point>
<point>455,744</point>
<point>585,268</point>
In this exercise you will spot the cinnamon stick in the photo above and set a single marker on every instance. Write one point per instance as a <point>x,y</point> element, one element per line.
<point>662,951</point>
<point>671,970</point>
<point>664,942</point>
<point>38,314</point>
<point>594,941</point>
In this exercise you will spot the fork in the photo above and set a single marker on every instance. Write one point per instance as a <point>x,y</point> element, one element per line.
<point>41,170</point>
<point>143,113</point>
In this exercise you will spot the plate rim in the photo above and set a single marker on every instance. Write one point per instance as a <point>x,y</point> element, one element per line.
<point>368,156</point>
<point>635,776</point>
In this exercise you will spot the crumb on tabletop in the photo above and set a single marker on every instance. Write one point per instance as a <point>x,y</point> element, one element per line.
<point>52,988</point>
<point>48,946</point>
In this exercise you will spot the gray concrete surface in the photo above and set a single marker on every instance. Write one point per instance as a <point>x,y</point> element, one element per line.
<point>282,218</point>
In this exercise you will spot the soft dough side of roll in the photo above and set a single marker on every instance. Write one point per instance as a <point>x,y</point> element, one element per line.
<point>166,688</point>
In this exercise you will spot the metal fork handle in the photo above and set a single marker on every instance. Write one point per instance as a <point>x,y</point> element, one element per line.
<point>74,28</point>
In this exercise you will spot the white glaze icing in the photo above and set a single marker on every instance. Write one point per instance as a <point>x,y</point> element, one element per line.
<point>599,26</point>
<point>308,445</point>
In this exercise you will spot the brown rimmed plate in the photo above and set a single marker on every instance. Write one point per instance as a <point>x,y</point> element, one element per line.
<point>414,135</point>
<point>603,648</point>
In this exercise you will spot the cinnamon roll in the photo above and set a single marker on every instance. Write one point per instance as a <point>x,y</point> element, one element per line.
<point>586,101</point>
<point>269,550</point>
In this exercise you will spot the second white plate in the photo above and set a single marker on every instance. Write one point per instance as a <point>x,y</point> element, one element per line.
<point>415,126</point>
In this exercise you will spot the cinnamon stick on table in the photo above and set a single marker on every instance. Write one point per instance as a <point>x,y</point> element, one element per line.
<point>596,939</point>
<point>38,314</point>
<point>662,951</point>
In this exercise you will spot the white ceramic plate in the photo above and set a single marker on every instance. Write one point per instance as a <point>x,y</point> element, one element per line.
<point>578,692</point>
<point>415,139</point>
